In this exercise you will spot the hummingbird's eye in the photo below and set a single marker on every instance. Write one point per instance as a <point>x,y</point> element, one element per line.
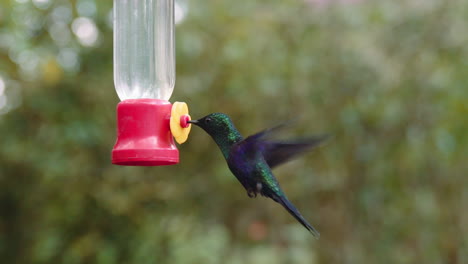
<point>208,120</point>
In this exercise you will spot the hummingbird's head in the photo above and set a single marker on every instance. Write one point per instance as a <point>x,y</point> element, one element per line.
<point>220,127</point>
<point>215,124</point>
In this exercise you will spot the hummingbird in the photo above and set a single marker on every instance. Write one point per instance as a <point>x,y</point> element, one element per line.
<point>252,159</point>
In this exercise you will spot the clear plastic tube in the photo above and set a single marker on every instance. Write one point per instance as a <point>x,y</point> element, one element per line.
<point>144,56</point>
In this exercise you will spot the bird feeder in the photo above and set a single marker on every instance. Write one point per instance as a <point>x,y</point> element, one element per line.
<point>144,78</point>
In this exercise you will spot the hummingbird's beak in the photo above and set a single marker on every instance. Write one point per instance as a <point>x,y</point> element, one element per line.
<point>193,122</point>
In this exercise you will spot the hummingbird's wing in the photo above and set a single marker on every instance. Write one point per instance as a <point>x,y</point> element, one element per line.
<point>276,152</point>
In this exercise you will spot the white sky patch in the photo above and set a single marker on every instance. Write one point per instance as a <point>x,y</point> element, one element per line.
<point>3,101</point>
<point>110,19</point>
<point>42,4</point>
<point>68,59</point>
<point>180,12</point>
<point>2,86</point>
<point>28,60</point>
<point>86,8</point>
<point>62,14</point>
<point>60,33</point>
<point>9,98</point>
<point>86,31</point>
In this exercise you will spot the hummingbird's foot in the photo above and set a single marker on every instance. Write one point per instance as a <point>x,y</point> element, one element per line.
<point>259,187</point>
<point>251,193</point>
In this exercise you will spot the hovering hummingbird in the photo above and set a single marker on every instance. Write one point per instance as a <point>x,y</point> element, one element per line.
<point>251,159</point>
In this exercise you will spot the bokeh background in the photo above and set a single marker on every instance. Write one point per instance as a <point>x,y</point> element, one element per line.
<point>388,79</point>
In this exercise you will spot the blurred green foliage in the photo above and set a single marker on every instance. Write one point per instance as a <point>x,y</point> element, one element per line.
<point>389,80</point>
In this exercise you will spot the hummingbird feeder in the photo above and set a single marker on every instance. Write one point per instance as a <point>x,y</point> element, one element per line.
<point>144,78</point>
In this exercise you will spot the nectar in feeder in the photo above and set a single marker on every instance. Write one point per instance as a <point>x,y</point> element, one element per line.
<point>144,78</point>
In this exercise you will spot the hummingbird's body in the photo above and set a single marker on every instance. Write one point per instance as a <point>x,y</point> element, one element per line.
<point>252,158</point>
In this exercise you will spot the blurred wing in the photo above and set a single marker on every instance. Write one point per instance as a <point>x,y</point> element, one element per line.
<point>277,152</point>
<point>280,152</point>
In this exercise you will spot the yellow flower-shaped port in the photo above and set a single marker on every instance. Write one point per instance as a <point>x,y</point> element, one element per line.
<point>180,128</point>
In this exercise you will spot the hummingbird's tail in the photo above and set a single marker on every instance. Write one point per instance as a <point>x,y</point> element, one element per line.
<point>294,212</point>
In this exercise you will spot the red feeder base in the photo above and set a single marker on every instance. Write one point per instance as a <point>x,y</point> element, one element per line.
<point>143,134</point>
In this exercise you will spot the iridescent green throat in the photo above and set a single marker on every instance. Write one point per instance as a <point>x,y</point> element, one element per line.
<point>226,139</point>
